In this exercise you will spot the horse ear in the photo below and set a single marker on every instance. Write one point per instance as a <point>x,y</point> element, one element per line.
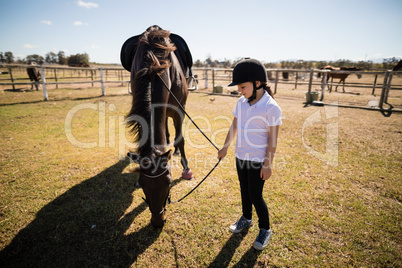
<point>168,154</point>
<point>134,157</point>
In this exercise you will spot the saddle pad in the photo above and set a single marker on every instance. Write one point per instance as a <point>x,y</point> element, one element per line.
<point>182,53</point>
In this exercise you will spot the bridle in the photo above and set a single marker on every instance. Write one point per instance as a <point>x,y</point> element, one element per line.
<point>167,199</point>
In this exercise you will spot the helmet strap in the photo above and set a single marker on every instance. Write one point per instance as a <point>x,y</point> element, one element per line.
<point>254,96</point>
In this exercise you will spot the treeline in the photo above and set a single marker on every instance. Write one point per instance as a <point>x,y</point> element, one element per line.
<point>388,63</point>
<point>81,60</point>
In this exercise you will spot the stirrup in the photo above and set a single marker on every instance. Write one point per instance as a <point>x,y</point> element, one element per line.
<point>195,84</point>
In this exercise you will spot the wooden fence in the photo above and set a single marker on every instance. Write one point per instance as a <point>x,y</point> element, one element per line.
<point>308,78</point>
<point>17,75</point>
<point>211,77</point>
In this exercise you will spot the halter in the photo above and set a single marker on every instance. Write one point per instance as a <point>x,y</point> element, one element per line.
<point>167,200</point>
<point>154,176</point>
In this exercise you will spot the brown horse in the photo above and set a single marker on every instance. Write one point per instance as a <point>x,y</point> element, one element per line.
<point>154,65</point>
<point>341,76</point>
<point>398,66</point>
<point>34,75</point>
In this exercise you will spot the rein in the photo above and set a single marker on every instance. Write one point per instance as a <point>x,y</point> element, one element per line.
<point>219,160</point>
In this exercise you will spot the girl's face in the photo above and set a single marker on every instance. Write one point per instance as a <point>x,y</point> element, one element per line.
<point>246,89</point>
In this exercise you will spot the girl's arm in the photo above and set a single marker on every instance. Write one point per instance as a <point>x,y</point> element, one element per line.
<point>229,138</point>
<point>269,156</point>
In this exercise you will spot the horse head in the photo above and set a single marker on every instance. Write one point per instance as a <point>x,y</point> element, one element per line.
<point>155,180</point>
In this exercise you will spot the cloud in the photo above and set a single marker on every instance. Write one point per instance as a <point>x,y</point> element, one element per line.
<point>29,46</point>
<point>88,5</point>
<point>48,22</point>
<point>80,23</point>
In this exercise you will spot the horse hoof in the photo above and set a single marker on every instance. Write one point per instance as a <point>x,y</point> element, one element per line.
<point>187,174</point>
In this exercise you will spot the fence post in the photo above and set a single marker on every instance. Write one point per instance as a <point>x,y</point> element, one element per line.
<point>42,73</point>
<point>309,99</point>
<point>297,74</point>
<point>213,79</point>
<point>101,80</point>
<point>384,88</point>
<point>206,78</point>
<point>92,77</point>
<point>388,87</point>
<point>55,77</point>
<point>323,84</point>
<point>276,80</point>
<point>11,76</point>
<point>375,83</point>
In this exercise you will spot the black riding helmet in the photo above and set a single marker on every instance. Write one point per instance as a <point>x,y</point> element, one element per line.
<point>249,70</point>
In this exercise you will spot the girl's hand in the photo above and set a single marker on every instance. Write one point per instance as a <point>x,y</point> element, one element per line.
<point>222,153</point>
<point>265,172</point>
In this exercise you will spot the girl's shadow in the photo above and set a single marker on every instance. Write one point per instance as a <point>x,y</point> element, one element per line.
<point>84,227</point>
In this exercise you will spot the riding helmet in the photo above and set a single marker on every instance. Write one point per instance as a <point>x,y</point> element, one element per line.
<point>248,70</point>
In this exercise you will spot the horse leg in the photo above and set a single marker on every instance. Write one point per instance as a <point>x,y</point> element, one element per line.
<point>179,147</point>
<point>336,88</point>
<point>330,86</point>
<point>167,132</point>
<point>343,88</point>
<point>176,149</point>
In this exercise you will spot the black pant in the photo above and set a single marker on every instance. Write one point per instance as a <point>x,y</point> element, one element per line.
<point>251,186</point>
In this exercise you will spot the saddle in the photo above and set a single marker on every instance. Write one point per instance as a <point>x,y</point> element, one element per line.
<point>182,53</point>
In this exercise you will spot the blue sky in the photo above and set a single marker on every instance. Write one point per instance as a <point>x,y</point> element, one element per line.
<point>222,29</point>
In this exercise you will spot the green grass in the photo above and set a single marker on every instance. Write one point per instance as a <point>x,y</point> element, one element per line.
<point>65,206</point>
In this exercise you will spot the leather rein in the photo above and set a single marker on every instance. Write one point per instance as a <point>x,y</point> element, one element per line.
<point>169,201</point>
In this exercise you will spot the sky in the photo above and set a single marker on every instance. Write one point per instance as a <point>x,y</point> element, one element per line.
<point>267,30</point>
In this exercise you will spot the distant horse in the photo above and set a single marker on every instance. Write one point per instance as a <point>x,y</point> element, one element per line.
<point>398,66</point>
<point>341,76</point>
<point>155,64</point>
<point>34,75</point>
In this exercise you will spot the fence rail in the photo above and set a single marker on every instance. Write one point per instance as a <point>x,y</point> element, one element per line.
<point>52,75</point>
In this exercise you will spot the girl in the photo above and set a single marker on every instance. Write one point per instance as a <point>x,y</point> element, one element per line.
<point>256,122</point>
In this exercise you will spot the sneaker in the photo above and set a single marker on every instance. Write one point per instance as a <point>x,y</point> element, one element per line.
<point>262,239</point>
<point>238,226</point>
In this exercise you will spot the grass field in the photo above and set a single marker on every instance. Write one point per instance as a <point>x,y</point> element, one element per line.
<point>334,197</point>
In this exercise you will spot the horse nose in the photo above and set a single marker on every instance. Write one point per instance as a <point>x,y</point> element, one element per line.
<point>158,221</point>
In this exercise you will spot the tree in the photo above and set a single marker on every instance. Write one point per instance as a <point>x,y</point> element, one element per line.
<point>62,58</point>
<point>78,60</point>
<point>35,58</point>
<point>198,63</point>
<point>51,57</point>
<point>9,57</point>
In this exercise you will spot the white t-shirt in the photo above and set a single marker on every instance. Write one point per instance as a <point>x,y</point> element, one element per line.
<point>252,126</point>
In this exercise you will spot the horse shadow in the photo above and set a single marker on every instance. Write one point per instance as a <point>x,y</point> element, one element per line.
<point>229,249</point>
<point>85,227</point>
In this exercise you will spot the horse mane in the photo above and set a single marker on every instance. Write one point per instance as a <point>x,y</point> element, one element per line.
<point>156,46</point>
